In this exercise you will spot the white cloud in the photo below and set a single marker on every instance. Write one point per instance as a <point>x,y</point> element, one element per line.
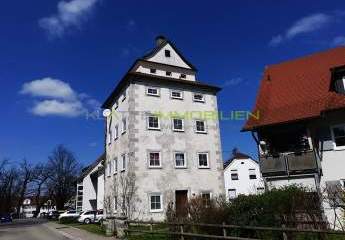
<point>233,82</point>
<point>306,24</point>
<point>48,87</point>
<point>59,99</point>
<point>58,108</point>
<point>70,14</point>
<point>338,41</point>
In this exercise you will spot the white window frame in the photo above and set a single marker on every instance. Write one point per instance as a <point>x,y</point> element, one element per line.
<point>205,126</point>
<point>173,97</point>
<point>149,160</point>
<point>234,171</point>
<point>116,165</point>
<point>173,125</point>
<point>199,100</point>
<point>124,126</point>
<point>252,171</point>
<point>115,204</point>
<point>110,136</point>
<point>161,202</point>
<point>116,131</point>
<point>208,160</point>
<point>204,193</point>
<point>234,191</point>
<point>148,123</point>
<point>123,162</point>
<point>185,159</point>
<point>335,147</point>
<point>152,94</point>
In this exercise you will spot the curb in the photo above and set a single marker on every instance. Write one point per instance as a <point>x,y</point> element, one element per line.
<point>66,235</point>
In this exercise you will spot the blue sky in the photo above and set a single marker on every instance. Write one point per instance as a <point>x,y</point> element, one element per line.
<point>60,59</point>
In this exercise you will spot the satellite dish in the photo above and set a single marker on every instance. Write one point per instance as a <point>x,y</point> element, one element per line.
<point>106,113</point>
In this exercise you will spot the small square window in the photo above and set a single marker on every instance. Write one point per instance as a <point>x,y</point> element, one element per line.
<point>152,70</point>
<point>203,160</point>
<point>206,199</point>
<point>154,159</point>
<point>156,202</point>
<point>124,125</point>
<point>168,73</point>
<point>339,136</point>
<point>175,94</point>
<point>198,97</point>
<point>153,123</point>
<point>260,190</point>
<point>232,193</point>
<point>152,91</point>
<point>200,126</point>
<point>178,125</point>
<point>115,165</point>
<point>167,53</point>
<point>124,95</point>
<point>116,132</point>
<point>183,76</point>
<point>180,160</point>
<point>252,174</point>
<point>123,156</point>
<point>234,175</point>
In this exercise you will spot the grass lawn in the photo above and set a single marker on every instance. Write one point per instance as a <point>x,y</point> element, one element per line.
<point>92,228</point>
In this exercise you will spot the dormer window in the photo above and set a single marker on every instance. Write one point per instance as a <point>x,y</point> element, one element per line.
<point>183,76</point>
<point>338,80</point>
<point>167,53</point>
<point>152,70</point>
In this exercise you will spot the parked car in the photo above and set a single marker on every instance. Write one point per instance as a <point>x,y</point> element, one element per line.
<point>53,215</point>
<point>70,213</point>
<point>88,217</point>
<point>5,218</point>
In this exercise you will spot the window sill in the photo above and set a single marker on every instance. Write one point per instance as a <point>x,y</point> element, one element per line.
<point>201,132</point>
<point>178,130</point>
<point>199,101</point>
<point>176,98</point>
<point>152,95</point>
<point>156,210</point>
<point>154,129</point>
<point>177,167</point>
<point>200,167</point>
<point>155,167</point>
<point>341,148</point>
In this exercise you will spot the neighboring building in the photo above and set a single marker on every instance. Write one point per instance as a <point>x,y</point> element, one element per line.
<point>301,129</point>
<point>29,207</point>
<point>242,176</point>
<point>90,187</point>
<point>162,136</point>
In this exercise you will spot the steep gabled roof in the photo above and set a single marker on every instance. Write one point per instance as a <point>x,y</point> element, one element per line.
<point>162,44</point>
<point>88,169</point>
<point>298,90</point>
<point>236,155</point>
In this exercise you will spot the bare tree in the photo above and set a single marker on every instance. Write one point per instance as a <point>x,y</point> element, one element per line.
<point>40,178</point>
<point>63,171</point>
<point>25,176</point>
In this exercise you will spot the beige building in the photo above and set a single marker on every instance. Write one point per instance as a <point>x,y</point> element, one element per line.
<point>162,137</point>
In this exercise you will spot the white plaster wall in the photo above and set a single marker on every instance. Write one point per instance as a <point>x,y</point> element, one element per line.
<point>89,192</point>
<point>100,191</point>
<point>307,181</point>
<point>168,179</point>
<point>161,70</point>
<point>243,185</point>
<point>174,58</point>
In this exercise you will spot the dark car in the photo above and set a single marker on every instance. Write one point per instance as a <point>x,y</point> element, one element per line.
<point>5,218</point>
<point>53,215</point>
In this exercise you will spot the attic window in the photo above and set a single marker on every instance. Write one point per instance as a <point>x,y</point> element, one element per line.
<point>183,76</point>
<point>338,80</point>
<point>167,53</point>
<point>152,70</point>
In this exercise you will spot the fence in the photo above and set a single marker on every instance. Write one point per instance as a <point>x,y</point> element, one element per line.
<point>178,231</point>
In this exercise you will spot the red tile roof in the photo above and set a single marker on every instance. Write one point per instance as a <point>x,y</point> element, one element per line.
<point>298,89</point>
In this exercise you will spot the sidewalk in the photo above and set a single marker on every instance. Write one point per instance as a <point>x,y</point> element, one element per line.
<point>73,233</point>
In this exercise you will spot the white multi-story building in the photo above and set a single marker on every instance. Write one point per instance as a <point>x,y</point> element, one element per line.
<point>90,187</point>
<point>242,176</point>
<point>162,137</point>
<point>301,129</point>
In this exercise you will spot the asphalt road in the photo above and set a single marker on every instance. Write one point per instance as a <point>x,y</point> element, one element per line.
<point>28,230</point>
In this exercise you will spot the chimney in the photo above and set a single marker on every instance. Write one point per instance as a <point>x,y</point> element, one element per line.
<point>160,39</point>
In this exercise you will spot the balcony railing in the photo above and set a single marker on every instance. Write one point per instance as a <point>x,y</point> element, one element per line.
<point>289,164</point>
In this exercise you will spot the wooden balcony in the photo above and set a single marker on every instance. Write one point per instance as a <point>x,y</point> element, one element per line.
<point>289,164</point>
